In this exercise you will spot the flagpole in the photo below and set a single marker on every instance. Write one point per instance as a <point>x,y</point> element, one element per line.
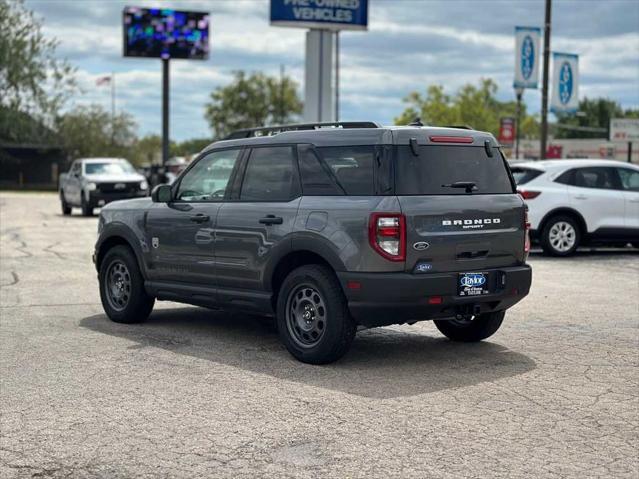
<point>112,108</point>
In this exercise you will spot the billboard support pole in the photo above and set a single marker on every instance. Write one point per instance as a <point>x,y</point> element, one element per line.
<point>165,111</point>
<point>337,75</point>
<point>544,90</point>
<point>630,152</point>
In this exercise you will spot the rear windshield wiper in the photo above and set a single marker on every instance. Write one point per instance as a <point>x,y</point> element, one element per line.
<point>470,186</point>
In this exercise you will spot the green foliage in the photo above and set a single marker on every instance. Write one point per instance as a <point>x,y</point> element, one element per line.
<point>34,83</point>
<point>592,113</point>
<point>190,147</point>
<point>475,106</point>
<point>88,131</point>
<point>252,101</point>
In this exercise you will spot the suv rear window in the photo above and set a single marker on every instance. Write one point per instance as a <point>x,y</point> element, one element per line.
<point>437,166</point>
<point>524,175</point>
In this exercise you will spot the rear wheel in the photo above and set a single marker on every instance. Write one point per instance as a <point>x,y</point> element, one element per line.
<point>312,316</point>
<point>471,330</point>
<point>122,287</point>
<point>66,209</point>
<point>560,236</point>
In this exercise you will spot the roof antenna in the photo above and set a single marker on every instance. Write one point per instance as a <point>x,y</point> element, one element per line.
<point>416,122</point>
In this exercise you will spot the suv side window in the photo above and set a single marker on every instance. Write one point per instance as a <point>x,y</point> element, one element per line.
<point>208,178</point>
<point>353,167</point>
<point>270,175</point>
<point>316,181</point>
<point>629,179</point>
<point>596,177</point>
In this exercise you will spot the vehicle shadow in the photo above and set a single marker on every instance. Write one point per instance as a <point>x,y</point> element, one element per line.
<point>591,253</point>
<point>383,363</point>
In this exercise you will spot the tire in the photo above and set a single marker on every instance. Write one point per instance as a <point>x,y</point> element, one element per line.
<point>86,209</point>
<point>66,209</point>
<point>560,236</point>
<point>480,327</point>
<point>328,332</point>
<point>133,304</point>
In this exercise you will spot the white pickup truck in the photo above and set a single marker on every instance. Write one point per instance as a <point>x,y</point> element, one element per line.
<point>94,182</point>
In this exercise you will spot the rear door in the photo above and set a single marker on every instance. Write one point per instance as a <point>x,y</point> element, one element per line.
<point>255,223</point>
<point>630,189</point>
<point>595,192</point>
<point>448,228</point>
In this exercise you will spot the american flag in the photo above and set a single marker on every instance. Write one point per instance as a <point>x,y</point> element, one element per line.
<point>103,80</point>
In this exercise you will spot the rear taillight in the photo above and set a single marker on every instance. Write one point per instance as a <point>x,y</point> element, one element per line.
<point>387,235</point>
<point>528,195</point>
<point>526,235</point>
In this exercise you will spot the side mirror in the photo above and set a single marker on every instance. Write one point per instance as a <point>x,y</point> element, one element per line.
<point>161,194</point>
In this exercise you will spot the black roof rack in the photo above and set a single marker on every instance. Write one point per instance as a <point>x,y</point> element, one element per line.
<point>274,130</point>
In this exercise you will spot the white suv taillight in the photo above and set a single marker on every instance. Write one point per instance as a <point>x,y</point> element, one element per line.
<point>527,235</point>
<point>387,235</point>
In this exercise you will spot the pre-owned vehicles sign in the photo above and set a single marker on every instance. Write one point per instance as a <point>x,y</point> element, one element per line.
<point>325,14</point>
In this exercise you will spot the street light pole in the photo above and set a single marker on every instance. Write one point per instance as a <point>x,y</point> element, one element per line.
<point>544,91</point>
<point>519,91</point>
<point>165,110</point>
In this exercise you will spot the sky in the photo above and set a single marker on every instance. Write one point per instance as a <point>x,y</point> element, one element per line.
<point>410,44</point>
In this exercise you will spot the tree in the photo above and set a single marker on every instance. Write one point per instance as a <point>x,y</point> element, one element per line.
<point>595,113</point>
<point>34,83</point>
<point>88,131</point>
<point>473,106</point>
<point>252,101</point>
<point>190,147</point>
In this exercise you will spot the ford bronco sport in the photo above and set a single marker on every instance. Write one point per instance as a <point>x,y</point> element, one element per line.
<point>329,228</point>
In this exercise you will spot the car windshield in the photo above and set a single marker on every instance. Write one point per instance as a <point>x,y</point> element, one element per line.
<point>524,175</point>
<point>108,168</point>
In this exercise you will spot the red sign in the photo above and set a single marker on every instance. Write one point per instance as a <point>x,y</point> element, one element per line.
<point>507,131</point>
<point>554,151</point>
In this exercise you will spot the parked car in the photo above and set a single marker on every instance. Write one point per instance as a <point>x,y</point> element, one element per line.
<point>580,202</point>
<point>328,228</point>
<point>94,182</point>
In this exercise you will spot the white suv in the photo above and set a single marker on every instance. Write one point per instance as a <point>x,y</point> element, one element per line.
<point>576,202</point>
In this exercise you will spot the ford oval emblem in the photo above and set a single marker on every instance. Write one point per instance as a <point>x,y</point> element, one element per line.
<point>527,57</point>
<point>421,245</point>
<point>565,83</point>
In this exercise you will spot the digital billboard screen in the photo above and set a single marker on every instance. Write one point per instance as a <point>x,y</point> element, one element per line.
<point>165,33</point>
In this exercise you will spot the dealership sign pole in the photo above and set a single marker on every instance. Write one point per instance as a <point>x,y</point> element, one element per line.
<point>322,18</point>
<point>527,57</point>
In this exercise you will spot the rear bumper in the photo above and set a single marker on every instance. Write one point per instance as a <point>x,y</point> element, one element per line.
<point>396,298</point>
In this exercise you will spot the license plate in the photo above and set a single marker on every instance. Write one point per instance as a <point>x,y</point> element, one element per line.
<point>472,284</point>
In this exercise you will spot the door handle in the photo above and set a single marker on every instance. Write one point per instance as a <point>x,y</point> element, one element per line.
<point>581,197</point>
<point>272,220</point>
<point>200,218</point>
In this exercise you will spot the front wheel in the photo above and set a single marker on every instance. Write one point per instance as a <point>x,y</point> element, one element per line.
<point>560,236</point>
<point>66,209</point>
<point>313,320</point>
<point>87,210</point>
<point>471,330</point>
<point>122,287</point>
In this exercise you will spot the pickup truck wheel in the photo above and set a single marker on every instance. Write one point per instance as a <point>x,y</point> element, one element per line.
<point>122,287</point>
<point>86,209</point>
<point>66,209</point>
<point>560,236</point>
<point>313,320</point>
<point>479,327</point>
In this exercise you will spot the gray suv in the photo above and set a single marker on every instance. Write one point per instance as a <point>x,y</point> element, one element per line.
<point>329,228</point>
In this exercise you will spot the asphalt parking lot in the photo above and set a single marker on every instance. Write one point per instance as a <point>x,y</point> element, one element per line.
<point>196,393</point>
